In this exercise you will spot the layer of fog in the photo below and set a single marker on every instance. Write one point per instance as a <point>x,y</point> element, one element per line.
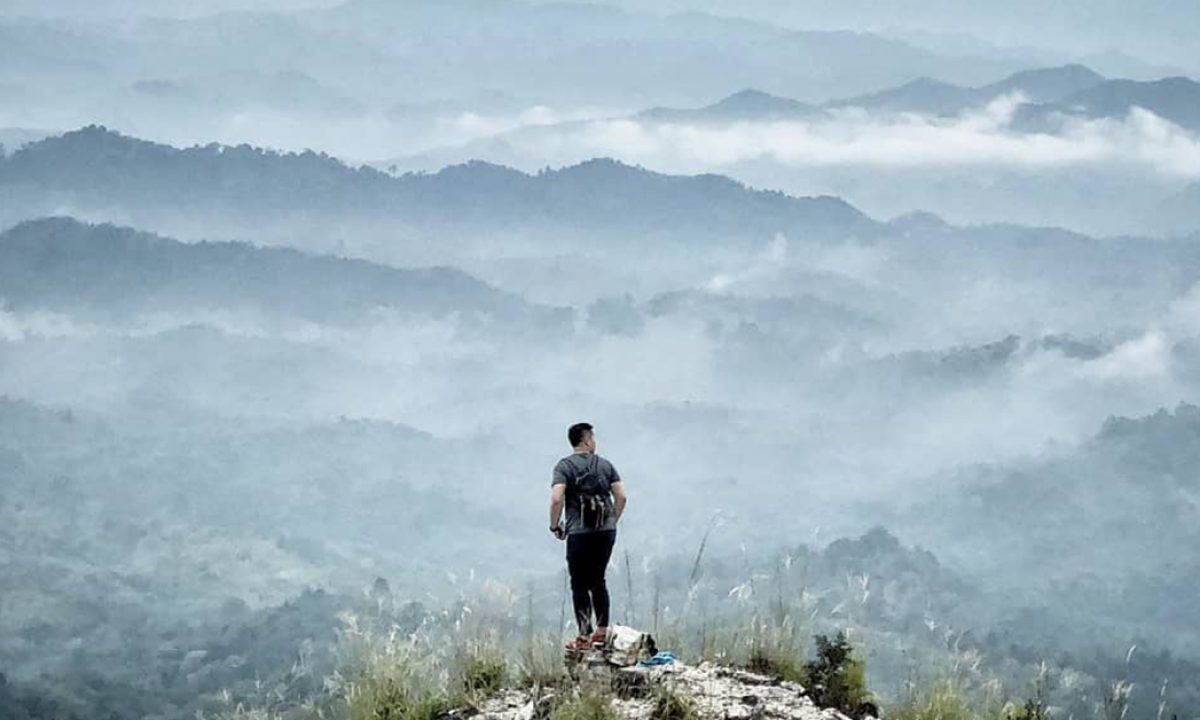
<point>360,135</point>
<point>969,168</point>
<point>242,77</point>
<point>726,394</point>
<point>236,79</point>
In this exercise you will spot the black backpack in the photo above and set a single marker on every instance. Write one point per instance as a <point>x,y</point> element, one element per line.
<point>594,495</point>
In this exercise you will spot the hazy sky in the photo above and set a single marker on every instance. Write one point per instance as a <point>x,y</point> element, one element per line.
<point>1162,31</point>
<point>1160,34</point>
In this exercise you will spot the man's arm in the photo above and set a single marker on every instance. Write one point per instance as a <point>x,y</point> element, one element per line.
<point>619,498</point>
<point>558,494</point>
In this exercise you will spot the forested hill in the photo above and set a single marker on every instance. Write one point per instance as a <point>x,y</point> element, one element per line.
<point>95,168</point>
<point>101,270</point>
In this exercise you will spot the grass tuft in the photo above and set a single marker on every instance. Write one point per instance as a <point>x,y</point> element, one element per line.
<point>672,705</point>
<point>944,700</point>
<point>390,699</point>
<point>541,662</point>
<point>482,674</point>
<point>592,702</point>
<point>397,677</point>
<point>775,651</point>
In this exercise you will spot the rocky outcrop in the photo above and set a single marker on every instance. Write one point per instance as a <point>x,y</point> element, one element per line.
<point>716,692</point>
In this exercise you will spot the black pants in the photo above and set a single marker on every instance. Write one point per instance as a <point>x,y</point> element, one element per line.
<point>587,559</point>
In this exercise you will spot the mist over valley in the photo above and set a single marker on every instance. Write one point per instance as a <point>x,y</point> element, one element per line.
<point>891,331</point>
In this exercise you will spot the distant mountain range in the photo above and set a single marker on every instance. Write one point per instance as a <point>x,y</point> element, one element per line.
<point>744,105</point>
<point>539,53</point>
<point>1176,99</point>
<point>1051,97</point>
<point>94,172</point>
<point>100,270</point>
<point>928,96</point>
<point>925,95</point>
<point>1071,90</point>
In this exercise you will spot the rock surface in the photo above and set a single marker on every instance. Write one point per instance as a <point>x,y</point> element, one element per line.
<point>717,693</point>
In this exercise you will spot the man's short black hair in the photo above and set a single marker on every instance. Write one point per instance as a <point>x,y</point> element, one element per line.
<point>577,432</point>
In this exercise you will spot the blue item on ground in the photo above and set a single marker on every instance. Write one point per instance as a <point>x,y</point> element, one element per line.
<point>662,658</point>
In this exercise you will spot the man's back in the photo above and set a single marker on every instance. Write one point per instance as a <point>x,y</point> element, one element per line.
<point>568,471</point>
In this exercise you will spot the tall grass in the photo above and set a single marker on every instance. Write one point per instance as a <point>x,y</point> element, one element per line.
<point>394,676</point>
<point>944,700</point>
<point>764,623</point>
<point>481,671</point>
<point>540,657</point>
<point>1116,701</point>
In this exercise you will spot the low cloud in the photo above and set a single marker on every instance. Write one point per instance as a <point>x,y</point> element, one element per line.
<point>854,137</point>
<point>472,125</point>
<point>1138,360</point>
<point>767,264</point>
<point>40,324</point>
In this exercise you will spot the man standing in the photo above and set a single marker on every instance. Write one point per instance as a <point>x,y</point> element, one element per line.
<point>588,487</point>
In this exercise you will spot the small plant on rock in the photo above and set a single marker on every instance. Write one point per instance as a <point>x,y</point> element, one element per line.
<point>672,705</point>
<point>774,651</point>
<point>785,666</point>
<point>592,702</point>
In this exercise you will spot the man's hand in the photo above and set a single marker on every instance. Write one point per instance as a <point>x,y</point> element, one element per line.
<point>558,532</point>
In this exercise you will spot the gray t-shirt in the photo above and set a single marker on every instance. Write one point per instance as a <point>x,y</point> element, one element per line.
<point>565,472</point>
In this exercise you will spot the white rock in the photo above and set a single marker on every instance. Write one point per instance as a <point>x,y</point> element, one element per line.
<point>719,692</point>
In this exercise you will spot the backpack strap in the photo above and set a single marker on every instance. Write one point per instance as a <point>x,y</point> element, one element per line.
<point>573,477</point>
<point>595,466</point>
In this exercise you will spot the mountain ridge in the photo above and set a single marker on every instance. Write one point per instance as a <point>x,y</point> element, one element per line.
<point>99,168</point>
<point>931,95</point>
<point>61,263</point>
<point>1175,99</point>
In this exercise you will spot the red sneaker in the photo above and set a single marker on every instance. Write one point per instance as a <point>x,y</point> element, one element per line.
<point>599,638</point>
<point>582,642</point>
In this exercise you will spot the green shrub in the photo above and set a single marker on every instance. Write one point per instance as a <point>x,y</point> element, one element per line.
<point>836,679</point>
